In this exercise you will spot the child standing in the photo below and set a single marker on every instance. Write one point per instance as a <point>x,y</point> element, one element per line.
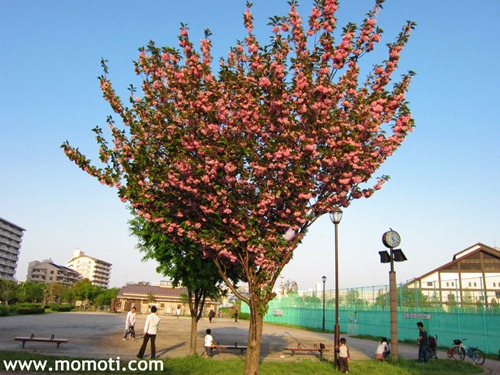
<point>344,356</point>
<point>209,343</point>
<point>130,324</point>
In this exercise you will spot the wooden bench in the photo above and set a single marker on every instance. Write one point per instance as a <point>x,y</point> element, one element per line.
<point>41,339</point>
<point>300,348</point>
<point>229,347</point>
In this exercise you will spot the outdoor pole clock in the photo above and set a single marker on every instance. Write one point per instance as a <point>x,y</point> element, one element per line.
<point>391,239</point>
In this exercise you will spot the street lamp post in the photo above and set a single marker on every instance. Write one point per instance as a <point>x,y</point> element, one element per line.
<point>324,281</point>
<point>336,217</point>
<point>391,239</point>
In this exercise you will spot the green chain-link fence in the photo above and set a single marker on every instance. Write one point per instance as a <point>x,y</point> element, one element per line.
<point>365,311</point>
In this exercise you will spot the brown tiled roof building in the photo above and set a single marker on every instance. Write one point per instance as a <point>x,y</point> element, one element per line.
<point>166,299</point>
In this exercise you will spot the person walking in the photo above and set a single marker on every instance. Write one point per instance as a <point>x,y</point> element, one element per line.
<point>344,356</point>
<point>423,343</point>
<point>130,324</point>
<point>211,315</point>
<point>236,316</point>
<point>150,331</point>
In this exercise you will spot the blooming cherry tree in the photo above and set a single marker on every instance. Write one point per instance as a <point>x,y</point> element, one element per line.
<point>244,161</point>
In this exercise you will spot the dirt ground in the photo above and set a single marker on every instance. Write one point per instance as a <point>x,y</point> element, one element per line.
<point>100,336</point>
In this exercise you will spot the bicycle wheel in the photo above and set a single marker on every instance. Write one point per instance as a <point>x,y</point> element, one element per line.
<point>458,353</point>
<point>477,357</point>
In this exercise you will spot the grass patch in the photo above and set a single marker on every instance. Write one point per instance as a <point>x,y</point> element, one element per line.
<point>201,366</point>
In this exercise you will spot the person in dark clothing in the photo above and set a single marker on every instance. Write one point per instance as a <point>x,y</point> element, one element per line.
<point>433,342</point>
<point>211,315</point>
<point>423,343</point>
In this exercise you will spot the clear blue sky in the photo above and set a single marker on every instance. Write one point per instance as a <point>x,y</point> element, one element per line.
<point>443,195</point>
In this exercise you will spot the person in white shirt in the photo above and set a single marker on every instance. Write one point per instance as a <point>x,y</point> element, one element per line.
<point>150,331</point>
<point>130,324</point>
<point>209,343</point>
<point>344,356</point>
<point>383,349</point>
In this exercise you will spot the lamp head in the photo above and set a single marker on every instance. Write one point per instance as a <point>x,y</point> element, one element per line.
<point>384,257</point>
<point>398,255</point>
<point>336,215</point>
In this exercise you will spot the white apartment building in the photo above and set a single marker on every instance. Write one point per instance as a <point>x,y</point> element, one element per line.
<point>11,236</point>
<point>95,270</point>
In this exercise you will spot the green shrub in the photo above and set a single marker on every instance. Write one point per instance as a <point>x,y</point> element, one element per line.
<point>61,308</point>
<point>30,310</point>
<point>26,305</point>
<point>244,316</point>
<point>4,310</point>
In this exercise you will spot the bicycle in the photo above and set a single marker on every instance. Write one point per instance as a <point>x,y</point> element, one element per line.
<point>460,350</point>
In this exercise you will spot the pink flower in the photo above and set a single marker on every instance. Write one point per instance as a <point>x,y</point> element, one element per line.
<point>289,235</point>
<point>264,82</point>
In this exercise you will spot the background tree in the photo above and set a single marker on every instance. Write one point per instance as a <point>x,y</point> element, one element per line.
<point>353,298</point>
<point>451,302</point>
<point>406,297</point>
<point>181,261</point>
<point>105,297</point>
<point>29,291</point>
<point>244,163</point>
<point>151,298</point>
<point>290,286</point>
<point>494,307</point>
<point>412,297</point>
<point>312,300</point>
<point>55,292</point>
<point>67,294</point>
<point>84,290</point>
<point>8,290</point>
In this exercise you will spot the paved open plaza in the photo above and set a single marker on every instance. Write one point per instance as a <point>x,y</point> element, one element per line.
<point>100,336</point>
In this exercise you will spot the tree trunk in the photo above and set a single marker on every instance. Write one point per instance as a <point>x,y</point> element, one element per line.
<point>196,301</point>
<point>194,329</point>
<point>254,339</point>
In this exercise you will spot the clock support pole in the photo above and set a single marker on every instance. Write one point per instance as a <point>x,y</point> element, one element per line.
<point>393,305</point>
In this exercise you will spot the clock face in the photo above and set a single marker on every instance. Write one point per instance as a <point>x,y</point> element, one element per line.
<point>391,239</point>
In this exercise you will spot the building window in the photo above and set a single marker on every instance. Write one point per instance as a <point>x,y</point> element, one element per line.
<point>447,283</point>
<point>475,284</point>
<point>470,284</point>
<point>429,283</point>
